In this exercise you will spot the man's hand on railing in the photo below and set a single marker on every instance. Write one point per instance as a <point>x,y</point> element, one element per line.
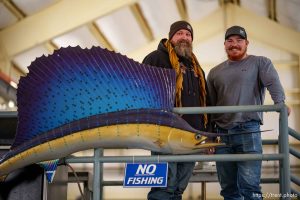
<point>211,150</point>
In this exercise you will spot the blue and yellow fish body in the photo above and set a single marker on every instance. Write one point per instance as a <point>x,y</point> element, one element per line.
<point>95,98</point>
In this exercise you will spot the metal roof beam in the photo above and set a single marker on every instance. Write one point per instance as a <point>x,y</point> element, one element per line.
<point>14,9</point>
<point>182,9</point>
<point>272,9</point>
<point>47,24</point>
<point>138,14</point>
<point>99,36</point>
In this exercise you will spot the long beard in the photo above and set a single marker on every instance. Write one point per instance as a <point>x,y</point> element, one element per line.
<point>184,48</point>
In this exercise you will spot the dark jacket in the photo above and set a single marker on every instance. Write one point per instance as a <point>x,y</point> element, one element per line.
<point>190,95</point>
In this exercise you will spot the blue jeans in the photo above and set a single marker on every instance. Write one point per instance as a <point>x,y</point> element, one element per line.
<point>179,174</point>
<point>240,180</point>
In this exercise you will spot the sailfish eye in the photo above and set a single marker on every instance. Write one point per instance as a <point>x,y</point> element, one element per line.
<point>198,137</point>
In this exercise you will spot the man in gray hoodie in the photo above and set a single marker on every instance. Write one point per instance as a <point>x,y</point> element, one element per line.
<point>241,80</point>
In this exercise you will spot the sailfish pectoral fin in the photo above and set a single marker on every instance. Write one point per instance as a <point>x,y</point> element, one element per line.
<point>159,142</point>
<point>50,167</point>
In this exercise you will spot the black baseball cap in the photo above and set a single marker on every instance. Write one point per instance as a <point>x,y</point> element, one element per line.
<point>236,30</point>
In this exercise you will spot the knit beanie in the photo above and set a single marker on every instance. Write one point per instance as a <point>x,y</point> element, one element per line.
<point>176,26</point>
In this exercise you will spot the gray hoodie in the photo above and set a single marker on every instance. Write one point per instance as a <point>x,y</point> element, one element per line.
<point>243,82</point>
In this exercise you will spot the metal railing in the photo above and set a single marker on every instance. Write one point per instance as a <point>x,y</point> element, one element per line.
<point>283,155</point>
<point>295,153</point>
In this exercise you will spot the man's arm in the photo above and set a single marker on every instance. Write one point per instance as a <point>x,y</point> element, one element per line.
<point>211,90</point>
<point>270,79</point>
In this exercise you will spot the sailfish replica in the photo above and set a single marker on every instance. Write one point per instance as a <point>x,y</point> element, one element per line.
<point>78,99</point>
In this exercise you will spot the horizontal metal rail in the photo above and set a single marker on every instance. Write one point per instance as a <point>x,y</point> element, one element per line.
<point>120,183</point>
<point>295,192</point>
<point>293,133</point>
<point>8,114</point>
<point>175,158</point>
<point>228,109</point>
<point>270,142</point>
<point>295,179</point>
<point>295,152</point>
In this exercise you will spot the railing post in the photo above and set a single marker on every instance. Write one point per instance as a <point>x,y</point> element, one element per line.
<point>98,175</point>
<point>283,141</point>
<point>101,174</point>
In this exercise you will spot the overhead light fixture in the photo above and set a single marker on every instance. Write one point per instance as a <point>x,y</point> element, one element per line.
<point>13,84</point>
<point>11,104</point>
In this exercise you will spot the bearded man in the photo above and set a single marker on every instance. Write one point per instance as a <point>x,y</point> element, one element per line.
<point>177,53</point>
<point>241,80</point>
